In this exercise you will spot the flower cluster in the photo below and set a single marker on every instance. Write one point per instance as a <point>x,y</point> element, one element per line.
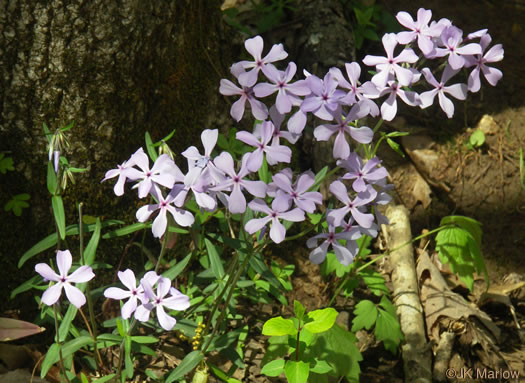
<point>340,101</point>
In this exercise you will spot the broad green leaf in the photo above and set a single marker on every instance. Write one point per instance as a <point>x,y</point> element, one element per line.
<point>320,367</point>
<point>6,163</point>
<point>91,248</point>
<point>365,315</point>
<point>322,320</point>
<point>60,215</point>
<point>215,260</point>
<point>477,138</point>
<point>264,174</point>
<point>144,339</point>
<point>298,310</point>
<point>189,362</point>
<point>52,354</point>
<point>274,368</point>
<point>11,329</point>
<point>279,326</point>
<point>152,152</point>
<point>174,271</point>
<point>297,372</point>
<point>388,330</point>
<point>374,281</point>
<point>83,378</point>
<point>467,223</point>
<point>51,178</point>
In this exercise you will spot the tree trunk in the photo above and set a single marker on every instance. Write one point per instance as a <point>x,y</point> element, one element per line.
<point>116,68</point>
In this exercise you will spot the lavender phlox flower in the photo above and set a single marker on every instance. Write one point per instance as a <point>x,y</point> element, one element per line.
<point>122,171</point>
<point>419,30</point>
<point>357,231</point>
<point>228,88</point>
<point>362,174</point>
<point>343,254</point>
<point>324,98</point>
<point>458,91</point>
<point>181,217</point>
<point>390,64</point>
<point>277,211</point>
<point>159,300</point>
<point>198,163</point>
<point>477,34</point>
<point>452,38</point>
<point>336,216</point>
<point>132,294</point>
<point>277,120</point>
<point>63,280</point>
<point>286,93</point>
<point>298,192</point>
<point>236,182</point>
<point>164,172</point>
<point>274,153</point>
<point>272,186</point>
<point>362,135</point>
<point>492,75</point>
<point>363,94</point>
<point>389,106</point>
<point>255,46</point>
<point>297,122</point>
<point>382,198</point>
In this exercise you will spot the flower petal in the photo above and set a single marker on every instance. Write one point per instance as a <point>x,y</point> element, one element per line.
<point>64,261</point>
<point>74,295</point>
<point>52,294</point>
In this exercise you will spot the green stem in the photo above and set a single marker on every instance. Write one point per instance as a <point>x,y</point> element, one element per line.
<point>162,250</point>
<point>297,346</point>
<point>61,359</point>
<point>378,125</point>
<point>121,352</point>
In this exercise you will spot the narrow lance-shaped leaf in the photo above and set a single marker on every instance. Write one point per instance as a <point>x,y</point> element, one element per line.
<point>60,216</point>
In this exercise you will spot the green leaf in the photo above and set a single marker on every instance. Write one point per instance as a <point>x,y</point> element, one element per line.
<point>104,379</point>
<point>150,147</point>
<point>91,248</point>
<point>63,330</point>
<point>297,372</point>
<point>173,272</point>
<point>51,178</point>
<point>67,127</point>
<point>144,339</point>
<point>6,163</point>
<point>457,247</point>
<point>215,260</point>
<point>26,286</point>
<point>83,378</point>
<point>128,363</point>
<point>388,330</point>
<point>375,281</point>
<point>189,362</point>
<point>319,178</point>
<point>274,368</point>
<point>320,367</point>
<point>467,223</point>
<point>365,315</point>
<point>60,215</point>
<point>298,310</point>
<point>279,326</point>
<point>322,320</point>
<point>264,174</point>
<point>17,203</point>
<point>477,138</point>
<point>125,230</point>
<point>395,146</point>
<point>68,349</point>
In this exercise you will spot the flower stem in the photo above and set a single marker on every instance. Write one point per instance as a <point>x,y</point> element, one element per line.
<point>162,251</point>
<point>61,359</point>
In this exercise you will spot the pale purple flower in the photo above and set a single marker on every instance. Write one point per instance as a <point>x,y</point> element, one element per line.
<point>369,172</point>
<point>132,294</point>
<point>389,106</point>
<point>255,47</point>
<point>274,153</point>
<point>452,38</point>
<point>336,216</point>
<point>56,159</point>
<point>390,64</point>
<point>362,135</point>
<point>164,172</point>
<point>122,171</point>
<point>343,254</point>
<point>236,182</point>
<point>357,231</point>
<point>181,217</point>
<point>324,98</point>
<point>277,119</point>
<point>458,91</point>
<point>492,75</point>
<point>160,300</point>
<point>287,94</point>
<point>198,163</point>
<point>298,193</point>
<point>419,30</point>
<point>357,94</point>
<point>297,122</point>
<point>277,211</point>
<point>63,280</point>
<point>228,88</point>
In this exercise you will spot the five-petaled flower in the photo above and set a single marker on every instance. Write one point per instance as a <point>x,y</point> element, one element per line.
<point>63,280</point>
